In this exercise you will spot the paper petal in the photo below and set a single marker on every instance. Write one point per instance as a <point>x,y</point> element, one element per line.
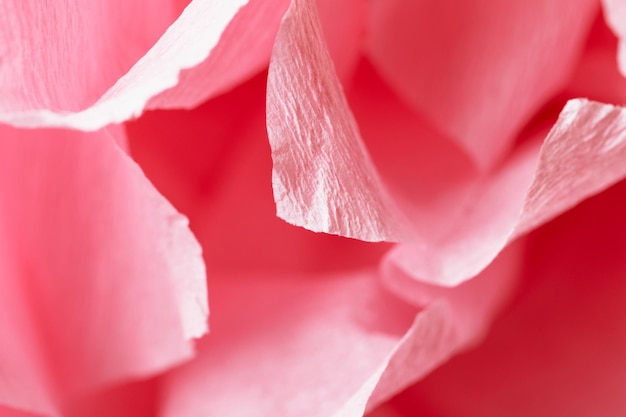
<point>583,155</point>
<point>323,178</point>
<point>243,50</point>
<point>560,349</point>
<point>245,47</point>
<point>271,291</point>
<point>322,346</point>
<point>109,271</point>
<point>478,69</point>
<point>224,170</point>
<point>461,218</point>
<point>63,55</point>
<point>179,48</point>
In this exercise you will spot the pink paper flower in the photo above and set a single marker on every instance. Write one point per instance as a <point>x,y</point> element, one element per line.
<point>461,163</point>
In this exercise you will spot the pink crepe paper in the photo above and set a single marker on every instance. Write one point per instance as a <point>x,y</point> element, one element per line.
<point>291,334</point>
<point>323,178</point>
<point>583,155</point>
<point>325,345</point>
<point>63,55</point>
<point>104,280</point>
<point>245,45</point>
<point>451,222</point>
<point>288,336</point>
<point>478,69</point>
<point>243,50</point>
<point>222,178</point>
<point>158,70</point>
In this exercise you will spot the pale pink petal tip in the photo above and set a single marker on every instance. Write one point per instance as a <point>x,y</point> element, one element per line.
<point>323,177</point>
<point>582,156</point>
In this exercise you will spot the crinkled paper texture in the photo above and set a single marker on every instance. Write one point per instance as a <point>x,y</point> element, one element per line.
<point>300,323</point>
<point>323,177</point>
<point>421,163</point>
<point>62,56</point>
<point>213,45</point>
<point>451,224</point>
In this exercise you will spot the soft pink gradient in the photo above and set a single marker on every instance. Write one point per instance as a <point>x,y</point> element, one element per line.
<point>254,151</point>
